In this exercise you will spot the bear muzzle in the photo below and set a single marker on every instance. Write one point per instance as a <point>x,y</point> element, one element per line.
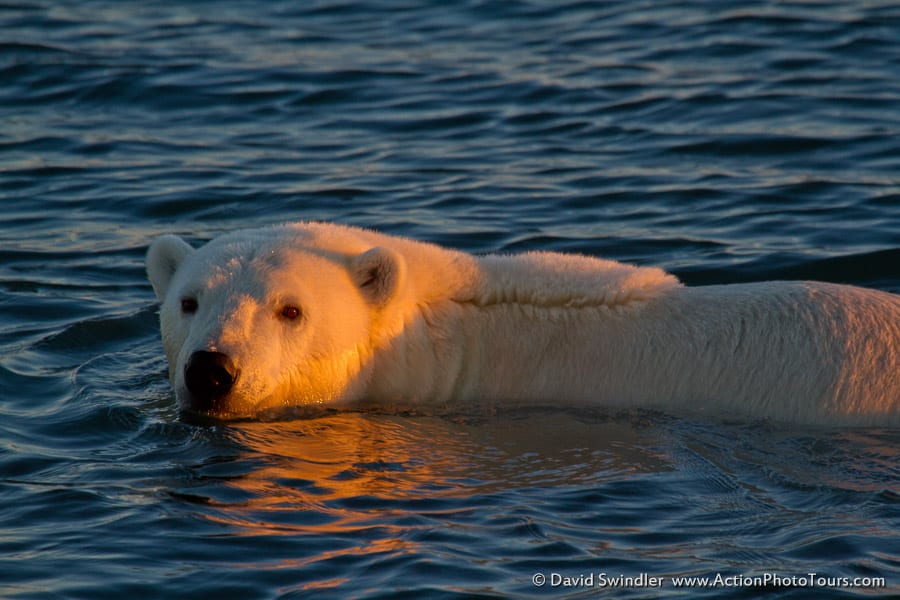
<point>209,377</point>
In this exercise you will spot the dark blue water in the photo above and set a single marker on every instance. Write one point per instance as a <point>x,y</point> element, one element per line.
<point>724,141</point>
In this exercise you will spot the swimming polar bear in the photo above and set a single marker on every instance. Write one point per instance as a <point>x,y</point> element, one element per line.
<point>261,320</point>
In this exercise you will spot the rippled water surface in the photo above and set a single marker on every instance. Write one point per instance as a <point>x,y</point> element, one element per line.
<point>724,141</point>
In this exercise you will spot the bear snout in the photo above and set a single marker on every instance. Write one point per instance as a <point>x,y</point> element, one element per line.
<point>209,377</point>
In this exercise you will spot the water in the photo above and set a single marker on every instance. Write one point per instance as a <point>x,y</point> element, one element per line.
<point>723,141</point>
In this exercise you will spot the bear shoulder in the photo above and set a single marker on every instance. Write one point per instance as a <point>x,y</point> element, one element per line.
<point>553,280</point>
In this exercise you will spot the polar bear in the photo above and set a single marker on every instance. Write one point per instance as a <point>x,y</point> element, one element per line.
<point>301,314</point>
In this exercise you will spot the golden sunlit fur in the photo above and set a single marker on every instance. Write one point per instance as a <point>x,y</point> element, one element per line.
<point>395,322</point>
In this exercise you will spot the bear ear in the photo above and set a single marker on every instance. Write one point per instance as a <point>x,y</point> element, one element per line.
<point>165,255</point>
<point>379,273</point>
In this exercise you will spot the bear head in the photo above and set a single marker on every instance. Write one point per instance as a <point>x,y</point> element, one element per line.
<point>265,319</point>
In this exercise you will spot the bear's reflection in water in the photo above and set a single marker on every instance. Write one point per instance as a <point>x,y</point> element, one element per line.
<point>385,499</point>
<point>380,477</point>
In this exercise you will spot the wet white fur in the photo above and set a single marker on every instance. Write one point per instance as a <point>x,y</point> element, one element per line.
<point>391,321</point>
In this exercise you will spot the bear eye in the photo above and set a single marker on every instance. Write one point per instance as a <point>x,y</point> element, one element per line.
<point>188,305</point>
<point>291,312</point>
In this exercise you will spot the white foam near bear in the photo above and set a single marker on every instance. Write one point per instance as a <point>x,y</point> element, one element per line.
<point>314,313</point>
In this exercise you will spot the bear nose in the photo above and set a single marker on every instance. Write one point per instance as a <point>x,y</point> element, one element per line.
<point>209,376</point>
